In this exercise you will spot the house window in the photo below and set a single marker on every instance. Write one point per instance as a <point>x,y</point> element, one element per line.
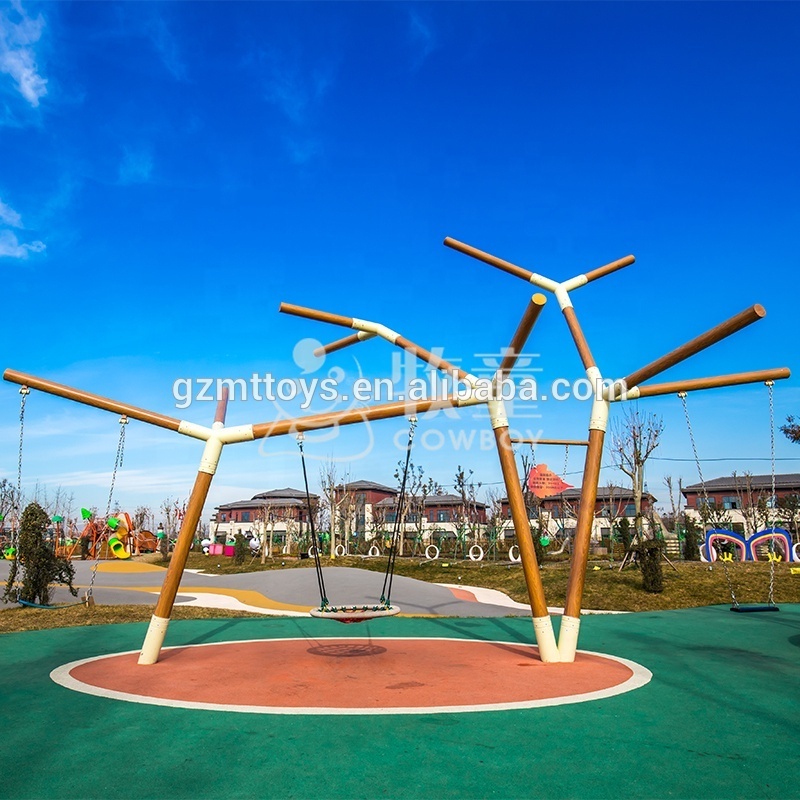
<point>412,517</point>
<point>391,516</point>
<point>223,517</point>
<point>730,503</point>
<point>711,502</point>
<point>443,516</point>
<point>630,510</point>
<point>432,516</point>
<point>245,516</point>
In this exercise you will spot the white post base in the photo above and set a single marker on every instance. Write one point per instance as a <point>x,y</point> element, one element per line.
<point>546,640</point>
<point>154,638</point>
<point>568,638</point>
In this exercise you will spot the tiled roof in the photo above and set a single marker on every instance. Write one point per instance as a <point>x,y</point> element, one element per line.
<point>789,480</point>
<point>280,493</point>
<point>360,486</point>
<point>433,500</point>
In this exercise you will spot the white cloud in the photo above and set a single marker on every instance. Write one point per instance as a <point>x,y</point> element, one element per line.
<point>422,38</point>
<point>18,34</point>
<point>136,166</point>
<point>9,217</point>
<point>11,248</point>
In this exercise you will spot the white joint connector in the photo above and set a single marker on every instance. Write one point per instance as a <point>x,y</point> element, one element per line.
<point>376,329</point>
<point>548,284</point>
<point>568,638</point>
<point>211,453</point>
<point>497,414</point>
<point>153,640</point>
<point>595,376</point>
<point>618,390</point>
<point>562,297</point>
<point>236,433</point>
<point>598,421</point>
<point>364,335</point>
<point>575,283</point>
<point>470,400</point>
<point>194,430</point>
<point>546,640</point>
<point>630,394</point>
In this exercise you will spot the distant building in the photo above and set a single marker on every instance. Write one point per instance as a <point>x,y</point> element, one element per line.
<point>560,512</point>
<point>370,509</point>
<point>745,503</point>
<point>283,511</point>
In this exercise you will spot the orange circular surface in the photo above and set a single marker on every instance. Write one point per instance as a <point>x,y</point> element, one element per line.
<point>353,676</point>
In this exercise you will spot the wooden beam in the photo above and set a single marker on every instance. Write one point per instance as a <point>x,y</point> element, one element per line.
<point>520,337</point>
<point>712,336</point>
<point>563,442</point>
<point>719,381</point>
<point>89,399</point>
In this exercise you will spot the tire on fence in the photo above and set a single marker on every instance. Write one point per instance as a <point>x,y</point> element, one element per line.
<point>431,552</point>
<point>475,553</point>
<point>340,550</point>
<point>374,551</point>
<point>512,557</point>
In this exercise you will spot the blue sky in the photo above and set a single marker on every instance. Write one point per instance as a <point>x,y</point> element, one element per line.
<point>171,172</point>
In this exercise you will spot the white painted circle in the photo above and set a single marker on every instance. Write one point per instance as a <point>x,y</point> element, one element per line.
<point>61,675</point>
<point>476,553</point>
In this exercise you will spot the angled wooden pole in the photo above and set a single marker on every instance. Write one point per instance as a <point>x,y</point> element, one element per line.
<point>716,382</point>
<point>157,629</point>
<point>89,399</point>
<point>520,337</point>
<point>712,336</point>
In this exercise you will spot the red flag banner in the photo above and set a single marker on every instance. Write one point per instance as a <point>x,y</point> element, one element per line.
<point>545,483</point>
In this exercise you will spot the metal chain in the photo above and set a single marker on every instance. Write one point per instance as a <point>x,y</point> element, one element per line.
<point>773,500</point>
<point>98,547</point>
<point>566,463</point>
<point>24,391</point>
<point>704,491</point>
<point>123,421</point>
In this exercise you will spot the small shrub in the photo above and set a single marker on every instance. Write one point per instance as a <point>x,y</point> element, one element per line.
<point>691,541</point>
<point>623,530</point>
<point>241,548</point>
<point>649,556</point>
<point>36,563</point>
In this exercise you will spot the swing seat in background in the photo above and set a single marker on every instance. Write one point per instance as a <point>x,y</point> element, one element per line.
<point>753,609</point>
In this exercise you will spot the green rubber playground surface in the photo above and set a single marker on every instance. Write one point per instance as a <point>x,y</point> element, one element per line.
<point>720,719</point>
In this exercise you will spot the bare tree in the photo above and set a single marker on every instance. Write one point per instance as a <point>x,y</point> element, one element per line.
<point>339,503</point>
<point>633,441</point>
<point>753,503</point>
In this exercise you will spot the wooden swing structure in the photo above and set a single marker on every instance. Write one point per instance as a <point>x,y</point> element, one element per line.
<point>218,435</point>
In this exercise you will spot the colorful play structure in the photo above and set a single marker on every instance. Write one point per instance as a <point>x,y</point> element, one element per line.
<point>771,544</point>
<point>479,391</point>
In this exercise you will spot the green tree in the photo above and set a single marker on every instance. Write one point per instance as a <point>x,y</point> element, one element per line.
<point>791,430</point>
<point>691,541</point>
<point>36,565</point>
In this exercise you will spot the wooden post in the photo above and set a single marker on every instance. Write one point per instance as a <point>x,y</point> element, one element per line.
<point>570,622</point>
<point>542,625</point>
<point>157,630</point>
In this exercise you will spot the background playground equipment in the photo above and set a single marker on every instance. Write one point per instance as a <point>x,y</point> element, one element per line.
<point>776,544</point>
<point>628,388</point>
